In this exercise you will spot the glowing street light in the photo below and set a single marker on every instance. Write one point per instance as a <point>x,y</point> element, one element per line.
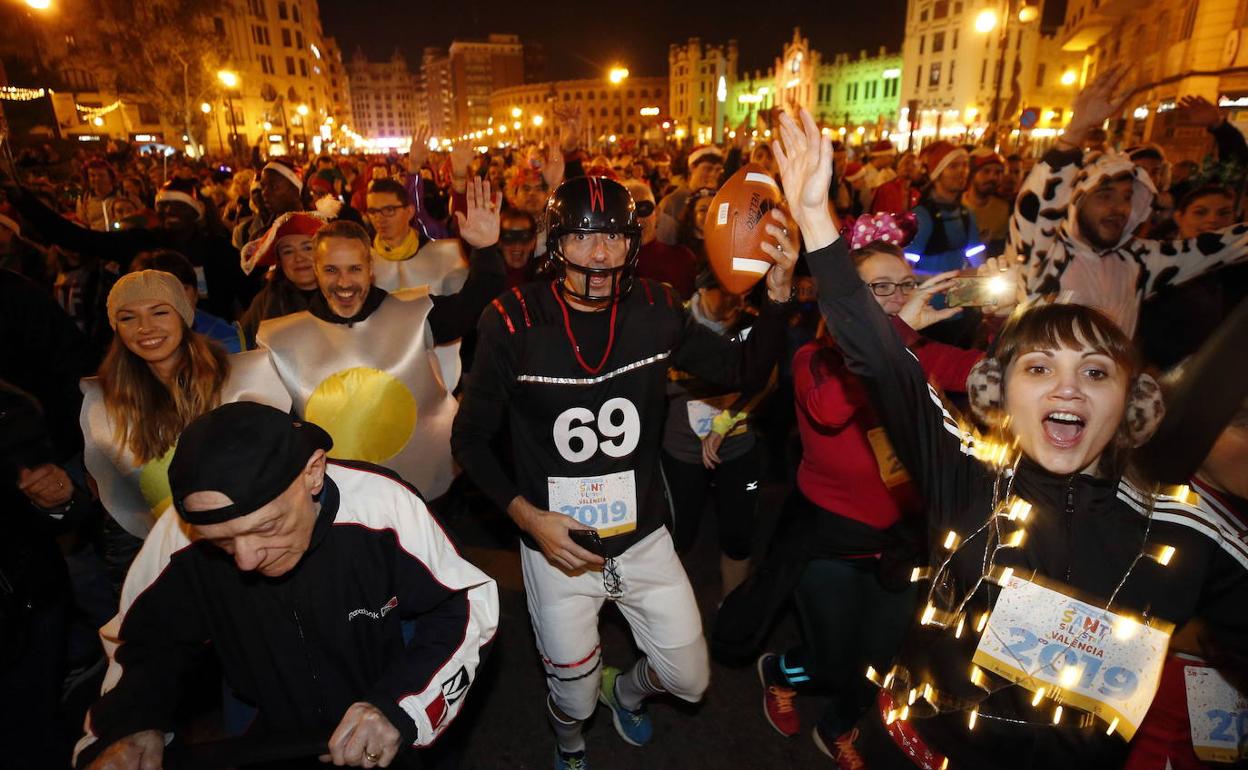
<point>1028,13</point>
<point>228,79</point>
<point>39,5</point>
<point>986,21</point>
<point>516,112</point>
<point>302,110</point>
<point>538,120</point>
<point>205,107</point>
<point>1069,77</point>
<point>618,75</point>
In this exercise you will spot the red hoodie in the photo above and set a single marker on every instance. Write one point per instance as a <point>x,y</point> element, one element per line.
<point>843,443</point>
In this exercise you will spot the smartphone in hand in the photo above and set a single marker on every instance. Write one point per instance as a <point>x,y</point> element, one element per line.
<point>587,539</point>
<point>977,291</point>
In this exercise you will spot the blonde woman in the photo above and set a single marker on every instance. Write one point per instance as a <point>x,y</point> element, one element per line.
<point>158,375</point>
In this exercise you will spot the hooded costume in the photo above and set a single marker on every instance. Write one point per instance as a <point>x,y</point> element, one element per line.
<point>1061,264</point>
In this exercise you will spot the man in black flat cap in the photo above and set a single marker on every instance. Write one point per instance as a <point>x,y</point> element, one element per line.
<point>297,569</point>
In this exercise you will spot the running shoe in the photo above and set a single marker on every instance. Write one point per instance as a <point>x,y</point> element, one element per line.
<point>842,749</point>
<point>574,760</point>
<point>777,696</point>
<point>633,726</point>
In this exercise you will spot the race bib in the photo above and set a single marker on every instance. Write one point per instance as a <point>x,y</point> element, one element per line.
<point>1218,714</point>
<point>891,469</point>
<point>703,413</point>
<point>1099,661</point>
<point>607,503</point>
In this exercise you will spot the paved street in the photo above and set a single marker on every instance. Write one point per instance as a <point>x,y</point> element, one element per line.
<point>727,730</point>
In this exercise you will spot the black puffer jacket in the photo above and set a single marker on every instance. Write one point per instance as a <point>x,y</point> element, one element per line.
<point>1084,532</point>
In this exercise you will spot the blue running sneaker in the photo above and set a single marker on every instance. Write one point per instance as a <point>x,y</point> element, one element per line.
<point>570,761</point>
<point>633,726</point>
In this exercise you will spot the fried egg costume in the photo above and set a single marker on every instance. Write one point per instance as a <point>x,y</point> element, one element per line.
<point>135,494</point>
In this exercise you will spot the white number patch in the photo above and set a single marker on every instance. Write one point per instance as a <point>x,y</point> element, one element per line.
<point>617,422</point>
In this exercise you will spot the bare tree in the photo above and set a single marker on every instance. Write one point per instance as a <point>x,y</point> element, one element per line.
<point>165,53</point>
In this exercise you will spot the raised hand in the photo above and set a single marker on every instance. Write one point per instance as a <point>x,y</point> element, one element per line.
<point>1099,101</point>
<point>1201,111</point>
<point>480,226</point>
<point>569,128</point>
<point>804,159</point>
<point>419,151</point>
<point>552,167</point>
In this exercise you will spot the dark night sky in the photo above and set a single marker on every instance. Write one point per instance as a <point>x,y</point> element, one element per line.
<point>583,37</point>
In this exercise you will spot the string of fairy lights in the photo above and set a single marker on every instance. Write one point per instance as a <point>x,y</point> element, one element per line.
<point>1004,528</point>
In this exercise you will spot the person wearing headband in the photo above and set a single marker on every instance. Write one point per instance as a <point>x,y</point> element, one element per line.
<point>298,571</point>
<point>223,288</point>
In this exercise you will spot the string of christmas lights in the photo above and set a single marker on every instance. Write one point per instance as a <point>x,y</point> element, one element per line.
<point>90,113</point>
<point>1004,528</point>
<point>19,94</point>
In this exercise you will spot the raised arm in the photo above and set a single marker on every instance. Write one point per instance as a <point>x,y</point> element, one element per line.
<point>1045,195</point>
<point>453,315</point>
<point>927,439</point>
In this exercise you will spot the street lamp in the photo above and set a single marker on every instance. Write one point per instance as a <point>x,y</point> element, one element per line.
<point>986,21</point>
<point>617,76</point>
<point>1069,77</point>
<point>230,81</point>
<point>39,5</point>
<point>302,109</point>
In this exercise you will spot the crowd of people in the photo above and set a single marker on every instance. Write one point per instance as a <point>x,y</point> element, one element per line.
<point>244,403</point>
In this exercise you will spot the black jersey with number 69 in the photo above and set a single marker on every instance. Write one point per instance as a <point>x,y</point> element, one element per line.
<point>584,395</point>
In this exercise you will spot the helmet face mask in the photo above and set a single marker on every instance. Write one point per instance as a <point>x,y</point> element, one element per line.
<point>588,205</point>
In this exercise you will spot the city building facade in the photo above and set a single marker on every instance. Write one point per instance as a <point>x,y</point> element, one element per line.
<point>384,100</point>
<point>477,69</point>
<point>971,64</point>
<point>625,112</point>
<point>701,77</point>
<point>1173,48</point>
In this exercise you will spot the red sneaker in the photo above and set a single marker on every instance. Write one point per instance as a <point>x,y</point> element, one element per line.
<point>842,749</point>
<point>777,696</point>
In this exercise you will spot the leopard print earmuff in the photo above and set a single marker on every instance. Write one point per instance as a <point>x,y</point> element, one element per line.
<point>1145,407</point>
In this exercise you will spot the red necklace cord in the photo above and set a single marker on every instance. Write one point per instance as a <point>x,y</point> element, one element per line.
<point>567,328</point>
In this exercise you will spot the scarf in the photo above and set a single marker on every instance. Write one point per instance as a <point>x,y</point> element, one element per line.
<point>406,249</point>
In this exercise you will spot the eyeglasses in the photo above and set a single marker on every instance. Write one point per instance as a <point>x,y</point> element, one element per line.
<point>644,209</point>
<point>886,288</point>
<point>384,211</point>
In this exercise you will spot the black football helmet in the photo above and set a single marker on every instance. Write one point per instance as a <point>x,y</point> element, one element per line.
<point>592,204</point>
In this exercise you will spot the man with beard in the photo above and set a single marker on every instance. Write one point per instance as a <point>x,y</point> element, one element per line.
<point>947,233</point>
<point>362,362</point>
<point>992,214</point>
<point>223,288</point>
<point>1074,224</point>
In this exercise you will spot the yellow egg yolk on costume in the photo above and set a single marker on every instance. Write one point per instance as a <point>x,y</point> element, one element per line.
<point>370,414</point>
<point>154,483</point>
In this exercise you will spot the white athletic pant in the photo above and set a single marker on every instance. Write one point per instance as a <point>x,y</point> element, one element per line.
<point>657,602</point>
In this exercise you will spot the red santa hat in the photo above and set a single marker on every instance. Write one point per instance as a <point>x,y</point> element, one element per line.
<point>985,156</point>
<point>705,152</point>
<point>263,250</point>
<point>938,155</point>
<point>882,147</point>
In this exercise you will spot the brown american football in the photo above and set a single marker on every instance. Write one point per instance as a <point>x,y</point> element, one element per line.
<point>734,227</point>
